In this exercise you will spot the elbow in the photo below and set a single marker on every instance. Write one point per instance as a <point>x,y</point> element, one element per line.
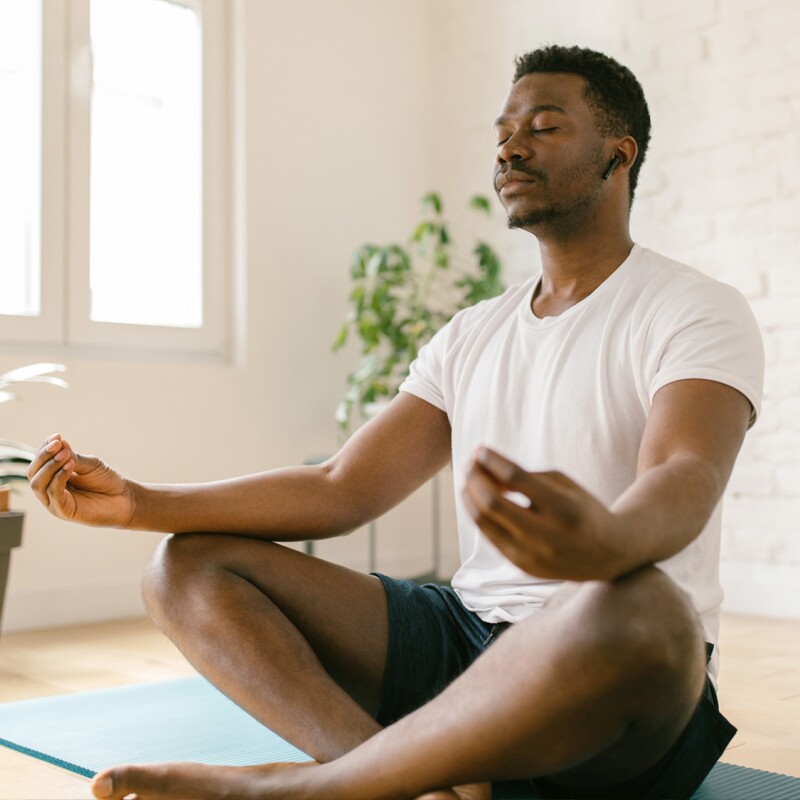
<point>347,510</point>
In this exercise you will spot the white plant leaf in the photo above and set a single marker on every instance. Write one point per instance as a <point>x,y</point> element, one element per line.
<point>10,449</point>
<point>29,372</point>
<point>49,379</point>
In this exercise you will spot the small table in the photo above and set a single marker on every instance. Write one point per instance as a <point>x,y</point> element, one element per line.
<point>10,537</point>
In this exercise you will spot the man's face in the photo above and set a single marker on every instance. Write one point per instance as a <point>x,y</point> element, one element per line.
<point>550,155</point>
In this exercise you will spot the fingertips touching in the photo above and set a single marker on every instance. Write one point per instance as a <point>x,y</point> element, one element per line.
<point>61,456</point>
<point>493,462</point>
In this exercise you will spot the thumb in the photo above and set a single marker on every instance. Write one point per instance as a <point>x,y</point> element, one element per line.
<point>84,464</point>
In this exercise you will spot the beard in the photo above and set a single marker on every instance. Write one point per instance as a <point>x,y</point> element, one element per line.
<point>551,213</point>
<point>584,184</point>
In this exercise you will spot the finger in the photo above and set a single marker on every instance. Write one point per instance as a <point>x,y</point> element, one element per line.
<point>484,522</point>
<point>529,551</point>
<point>504,539</point>
<point>45,472</point>
<point>57,493</point>
<point>503,469</point>
<point>43,454</point>
<point>547,491</point>
<point>491,501</point>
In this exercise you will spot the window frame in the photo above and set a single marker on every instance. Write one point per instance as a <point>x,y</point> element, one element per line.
<point>64,321</point>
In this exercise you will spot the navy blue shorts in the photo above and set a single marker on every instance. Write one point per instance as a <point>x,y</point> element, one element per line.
<point>433,638</point>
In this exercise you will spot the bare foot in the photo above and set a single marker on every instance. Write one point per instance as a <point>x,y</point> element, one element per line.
<point>186,781</point>
<point>194,782</point>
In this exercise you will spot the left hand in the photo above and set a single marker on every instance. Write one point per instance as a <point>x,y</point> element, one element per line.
<point>564,534</point>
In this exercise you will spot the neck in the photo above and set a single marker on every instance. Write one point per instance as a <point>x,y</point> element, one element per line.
<point>574,266</point>
<point>582,262</point>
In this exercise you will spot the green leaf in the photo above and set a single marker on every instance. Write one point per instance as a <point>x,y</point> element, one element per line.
<point>341,337</point>
<point>358,262</point>
<point>398,259</point>
<point>423,230</point>
<point>480,203</point>
<point>432,202</point>
<point>488,262</point>
<point>366,370</point>
<point>389,303</point>
<point>343,414</point>
<point>375,262</point>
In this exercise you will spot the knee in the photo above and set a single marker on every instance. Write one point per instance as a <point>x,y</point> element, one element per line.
<point>646,624</point>
<point>174,567</point>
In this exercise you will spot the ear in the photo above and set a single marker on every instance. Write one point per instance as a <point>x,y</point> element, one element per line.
<point>627,151</point>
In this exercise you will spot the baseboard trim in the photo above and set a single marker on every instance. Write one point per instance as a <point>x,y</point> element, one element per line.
<point>767,590</point>
<point>75,605</point>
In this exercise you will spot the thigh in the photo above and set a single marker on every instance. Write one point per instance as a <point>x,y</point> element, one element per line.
<point>341,613</point>
<point>642,618</point>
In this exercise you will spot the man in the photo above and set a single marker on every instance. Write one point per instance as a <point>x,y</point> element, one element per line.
<point>593,416</point>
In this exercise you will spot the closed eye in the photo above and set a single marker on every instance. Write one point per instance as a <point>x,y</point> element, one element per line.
<point>535,131</point>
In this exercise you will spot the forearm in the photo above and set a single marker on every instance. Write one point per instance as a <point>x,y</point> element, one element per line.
<point>286,504</point>
<point>666,508</point>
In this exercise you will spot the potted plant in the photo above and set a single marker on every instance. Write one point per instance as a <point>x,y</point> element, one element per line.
<point>14,460</point>
<point>402,296</point>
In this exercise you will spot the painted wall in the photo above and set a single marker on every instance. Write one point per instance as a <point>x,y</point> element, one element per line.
<point>720,191</point>
<point>351,111</point>
<point>335,130</point>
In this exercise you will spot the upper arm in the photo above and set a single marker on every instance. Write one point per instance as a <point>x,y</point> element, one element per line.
<point>392,455</point>
<point>699,418</point>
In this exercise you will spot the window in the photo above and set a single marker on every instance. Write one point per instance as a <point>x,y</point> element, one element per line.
<point>130,176</point>
<point>145,240</point>
<point>20,101</point>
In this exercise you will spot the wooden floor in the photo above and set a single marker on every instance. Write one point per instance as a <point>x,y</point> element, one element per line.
<point>759,689</point>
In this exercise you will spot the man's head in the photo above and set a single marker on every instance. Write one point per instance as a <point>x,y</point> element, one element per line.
<point>572,114</point>
<point>611,90</point>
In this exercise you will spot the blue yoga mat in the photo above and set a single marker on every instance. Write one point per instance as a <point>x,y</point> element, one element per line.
<point>189,720</point>
<point>185,719</point>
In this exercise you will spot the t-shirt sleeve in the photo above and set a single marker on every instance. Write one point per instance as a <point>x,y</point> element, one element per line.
<point>707,331</point>
<point>426,376</point>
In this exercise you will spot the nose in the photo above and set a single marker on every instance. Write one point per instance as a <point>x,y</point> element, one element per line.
<point>515,148</point>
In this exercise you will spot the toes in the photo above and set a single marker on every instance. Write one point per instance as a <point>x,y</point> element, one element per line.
<point>185,781</point>
<point>158,782</point>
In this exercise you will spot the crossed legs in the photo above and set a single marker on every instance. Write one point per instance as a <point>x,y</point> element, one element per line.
<point>591,691</point>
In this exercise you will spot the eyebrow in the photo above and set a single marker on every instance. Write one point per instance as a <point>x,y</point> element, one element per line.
<point>533,110</point>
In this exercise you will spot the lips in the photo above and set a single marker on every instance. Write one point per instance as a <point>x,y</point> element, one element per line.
<point>511,180</point>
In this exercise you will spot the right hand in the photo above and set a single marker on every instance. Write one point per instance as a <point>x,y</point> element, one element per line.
<point>80,488</point>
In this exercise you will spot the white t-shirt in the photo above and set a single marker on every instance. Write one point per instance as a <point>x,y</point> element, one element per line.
<point>573,392</point>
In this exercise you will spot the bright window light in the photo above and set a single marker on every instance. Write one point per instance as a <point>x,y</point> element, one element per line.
<point>146,159</point>
<point>20,111</point>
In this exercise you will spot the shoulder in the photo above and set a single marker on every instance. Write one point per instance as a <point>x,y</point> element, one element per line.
<point>672,291</point>
<point>693,326</point>
<point>496,308</point>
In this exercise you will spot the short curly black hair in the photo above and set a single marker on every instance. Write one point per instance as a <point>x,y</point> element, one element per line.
<point>612,91</point>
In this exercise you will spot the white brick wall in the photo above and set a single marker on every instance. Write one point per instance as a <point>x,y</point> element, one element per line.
<point>720,190</point>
